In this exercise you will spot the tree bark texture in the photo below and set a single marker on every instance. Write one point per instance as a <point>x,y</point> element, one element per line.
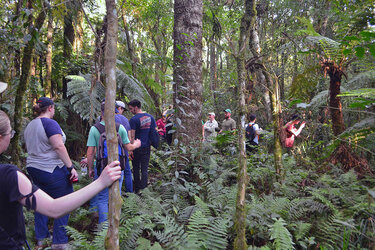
<point>187,69</point>
<point>112,238</point>
<point>129,44</point>
<point>242,178</point>
<point>260,78</point>
<point>68,46</point>
<point>213,71</point>
<point>78,39</point>
<point>27,60</point>
<point>48,85</point>
<point>335,107</point>
<point>277,126</point>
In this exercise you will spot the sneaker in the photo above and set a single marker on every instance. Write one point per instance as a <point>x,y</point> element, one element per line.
<point>65,246</point>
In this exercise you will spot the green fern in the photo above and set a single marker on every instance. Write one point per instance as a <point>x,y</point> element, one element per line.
<point>205,233</point>
<point>172,236</point>
<point>85,100</point>
<point>281,236</point>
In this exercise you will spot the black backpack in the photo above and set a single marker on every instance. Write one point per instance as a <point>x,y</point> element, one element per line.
<point>250,132</point>
<point>102,152</point>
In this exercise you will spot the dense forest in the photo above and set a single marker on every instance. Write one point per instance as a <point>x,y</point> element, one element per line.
<point>271,58</point>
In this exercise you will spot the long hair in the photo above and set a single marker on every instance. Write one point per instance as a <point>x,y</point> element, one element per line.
<point>38,110</point>
<point>4,123</point>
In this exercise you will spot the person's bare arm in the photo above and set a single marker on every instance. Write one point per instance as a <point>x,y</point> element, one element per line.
<point>131,135</point>
<point>59,147</point>
<point>134,145</point>
<point>90,160</point>
<point>56,208</point>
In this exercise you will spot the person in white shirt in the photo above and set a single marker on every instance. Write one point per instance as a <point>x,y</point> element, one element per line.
<point>209,128</point>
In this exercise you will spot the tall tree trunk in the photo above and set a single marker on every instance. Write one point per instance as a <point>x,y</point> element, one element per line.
<point>78,39</point>
<point>335,107</point>
<point>68,43</point>
<point>27,60</point>
<point>259,75</point>
<point>112,238</point>
<point>213,71</point>
<point>187,70</point>
<point>17,53</point>
<point>48,86</point>
<point>247,22</point>
<point>277,126</point>
<point>129,44</point>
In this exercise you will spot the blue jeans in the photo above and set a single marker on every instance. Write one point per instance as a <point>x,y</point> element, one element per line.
<point>56,184</point>
<point>100,201</point>
<point>140,163</point>
<point>128,178</point>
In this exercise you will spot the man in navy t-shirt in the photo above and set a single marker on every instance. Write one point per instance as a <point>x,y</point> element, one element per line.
<point>141,126</point>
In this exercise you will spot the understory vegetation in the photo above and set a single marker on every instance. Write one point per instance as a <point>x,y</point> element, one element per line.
<point>190,203</point>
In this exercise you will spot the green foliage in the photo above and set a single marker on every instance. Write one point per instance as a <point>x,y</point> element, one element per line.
<point>205,233</point>
<point>83,95</point>
<point>280,235</point>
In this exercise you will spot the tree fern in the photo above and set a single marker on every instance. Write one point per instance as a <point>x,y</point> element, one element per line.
<point>85,100</point>
<point>281,236</point>
<point>133,89</point>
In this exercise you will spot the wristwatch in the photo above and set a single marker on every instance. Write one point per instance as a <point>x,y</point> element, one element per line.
<point>71,168</point>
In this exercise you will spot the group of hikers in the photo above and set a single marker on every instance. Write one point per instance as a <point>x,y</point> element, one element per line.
<point>50,192</point>
<point>252,130</point>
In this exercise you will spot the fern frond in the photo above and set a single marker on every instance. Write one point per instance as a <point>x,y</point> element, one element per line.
<point>173,235</point>
<point>362,80</point>
<point>80,240</point>
<point>281,236</point>
<point>205,233</point>
<point>133,89</point>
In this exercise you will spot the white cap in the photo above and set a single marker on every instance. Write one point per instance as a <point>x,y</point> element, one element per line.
<point>3,86</point>
<point>120,104</point>
<point>212,113</point>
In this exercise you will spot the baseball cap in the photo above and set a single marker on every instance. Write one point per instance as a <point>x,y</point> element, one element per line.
<point>120,104</point>
<point>228,111</point>
<point>3,86</point>
<point>212,113</point>
<point>45,102</point>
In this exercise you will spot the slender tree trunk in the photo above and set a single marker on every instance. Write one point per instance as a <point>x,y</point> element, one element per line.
<point>187,70</point>
<point>17,53</point>
<point>260,77</point>
<point>68,45</point>
<point>247,22</point>
<point>282,76</point>
<point>24,80</point>
<point>277,124</point>
<point>48,85</point>
<point>78,39</point>
<point>112,238</point>
<point>213,71</point>
<point>129,44</point>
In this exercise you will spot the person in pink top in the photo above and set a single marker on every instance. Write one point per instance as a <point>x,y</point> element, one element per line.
<point>161,126</point>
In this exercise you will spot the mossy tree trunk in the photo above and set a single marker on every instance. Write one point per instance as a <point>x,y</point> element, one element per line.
<point>27,60</point>
<point>242,178</point>
<point>277,124</point>
<point>48,86</point>
<point>112,238</point>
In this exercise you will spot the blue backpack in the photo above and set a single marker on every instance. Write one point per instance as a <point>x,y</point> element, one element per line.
<point>102,152</point>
